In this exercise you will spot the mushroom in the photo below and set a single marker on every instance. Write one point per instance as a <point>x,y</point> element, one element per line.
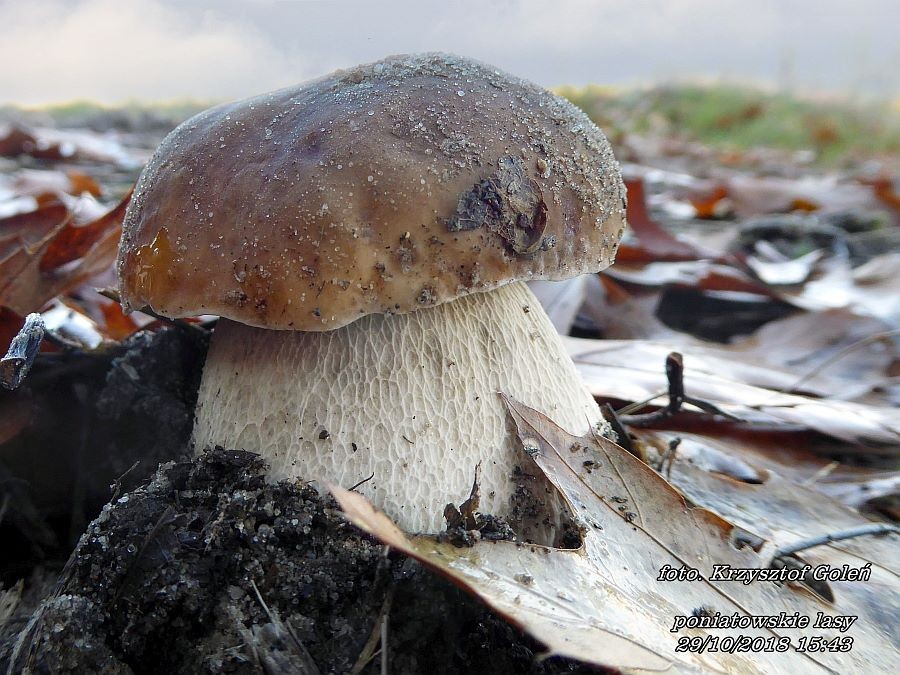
<point>365,238</point>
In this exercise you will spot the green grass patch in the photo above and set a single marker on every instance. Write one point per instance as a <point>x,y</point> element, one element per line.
<point>741,118</point>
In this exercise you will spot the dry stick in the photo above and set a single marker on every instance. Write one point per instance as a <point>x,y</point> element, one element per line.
<point>384,631</point>
<point>368,651</point>
<point>364,480</point>
<point>378,634</point>
<point>610,415</point>
<point>861,531</point>
<point>116,488</point>
<point>23,350</point>
<point>675,376</point>
<point>677,397</point>
<point>834,358</point>
<point>112,294</point>
<point>638,405</point>
<point>821,473</point>
<point>307,664</point>
<point>669,457</point>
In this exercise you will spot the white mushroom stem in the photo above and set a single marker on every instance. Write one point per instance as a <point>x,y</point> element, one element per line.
<point>410,398</point>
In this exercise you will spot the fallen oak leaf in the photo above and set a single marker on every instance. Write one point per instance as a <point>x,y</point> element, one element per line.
<point>67,145</point>
<point>733,481</point>
<point>15,141</point>
<point>603,603</point>
<point>31,230</point>
<point>38,182</point>
<point>885,191</point>
<point>74,241</point>
<point>831,354</point>
<point>34,267</point>
<point>711,205</point>
<point>463,566</point>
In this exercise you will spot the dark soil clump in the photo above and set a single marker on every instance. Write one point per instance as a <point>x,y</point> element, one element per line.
<point>208,568</point>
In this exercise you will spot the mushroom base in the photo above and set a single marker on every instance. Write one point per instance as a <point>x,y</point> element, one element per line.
<point>409,400</point>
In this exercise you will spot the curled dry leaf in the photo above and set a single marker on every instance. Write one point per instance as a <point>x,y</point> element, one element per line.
<point>75,241</point>
<point>38,182</point>
<point>67,145</point>
<point>753,195</point>
<point>44,253</point>
<point>713,204</point>
<point>602,603</point>
<point>655,243</point>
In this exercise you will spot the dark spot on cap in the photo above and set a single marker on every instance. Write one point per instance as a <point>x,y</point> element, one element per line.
<point>508,203</point>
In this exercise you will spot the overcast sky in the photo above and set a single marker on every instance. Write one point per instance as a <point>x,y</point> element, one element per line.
<point>118,50</point>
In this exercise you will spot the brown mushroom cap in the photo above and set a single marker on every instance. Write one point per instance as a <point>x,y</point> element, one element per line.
<point>381,189</point>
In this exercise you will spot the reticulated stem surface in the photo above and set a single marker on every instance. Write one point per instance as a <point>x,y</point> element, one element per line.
<point>411,398</point>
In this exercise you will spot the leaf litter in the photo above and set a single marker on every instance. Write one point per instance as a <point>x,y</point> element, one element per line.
<point>603,604</point>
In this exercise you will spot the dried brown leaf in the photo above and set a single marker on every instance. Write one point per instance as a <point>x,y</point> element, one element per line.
<point>781,510</point>
<point>655,243</point>
<point>116,324</point>
<point>602,603</point>
<point>43,254</point>
<point>74,241</point>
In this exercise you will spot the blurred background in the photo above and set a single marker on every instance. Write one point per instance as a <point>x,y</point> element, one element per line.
<point>114,51</point>
<point>820,79</point>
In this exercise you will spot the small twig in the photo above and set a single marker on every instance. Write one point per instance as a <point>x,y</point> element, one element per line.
<point>116,487</point>
<point>821,540</point>
<point>370,649</point>
<point>821,473</point>
<point>113,294</point>
<point>675,376</point>
<point>834,358</point>
<point>304,664</point>
<point>638,405</point>
<point>669,456</point>
<point>364,480</point>
<point>677,398</point>
<point>262,602</point>
<point>22,351</point>
<point>708,407</point>
<point>610,415</point>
